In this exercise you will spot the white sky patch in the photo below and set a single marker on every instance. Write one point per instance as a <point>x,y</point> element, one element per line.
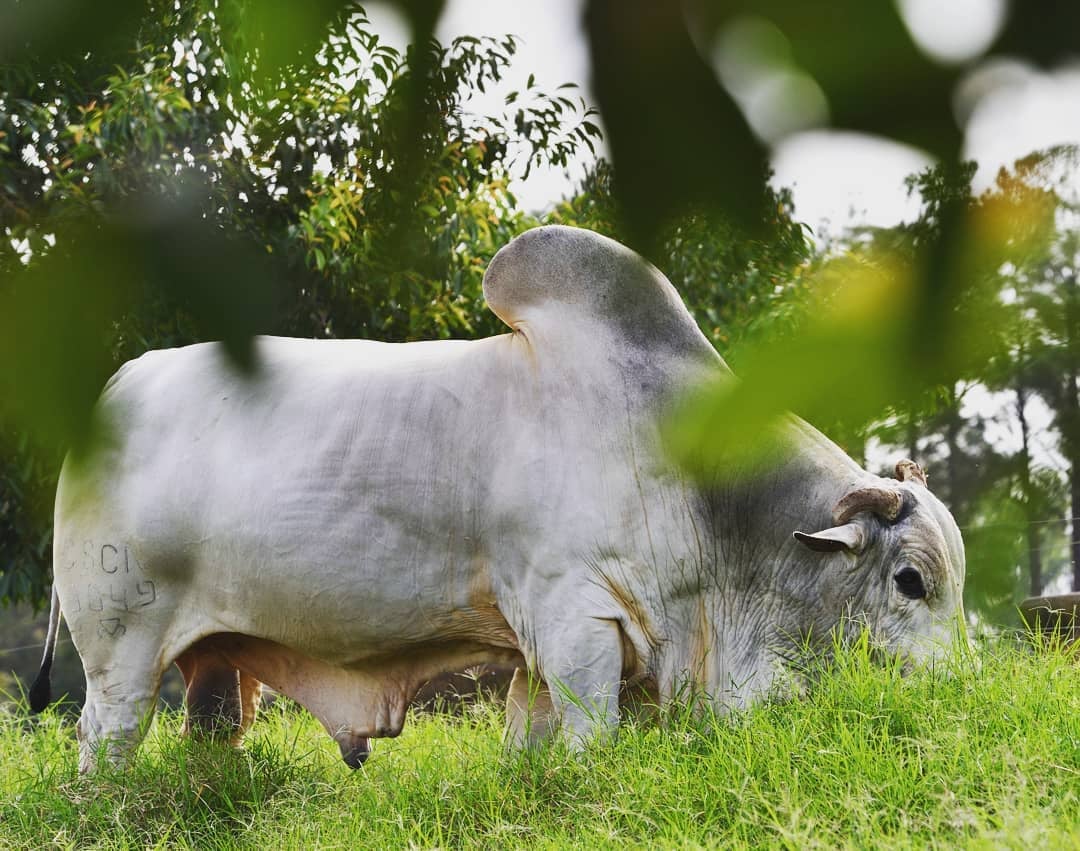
<point>841,179</point>
<point>551,45</point>
<point>323,165</point>
<point>1007,108</point>
<point>30,156</point>
<point>1013,110</point>
<point>838,178</point>
<point>953,31</point>
<point>22,248</point>
<point>1003,429</point>
<point>389,23</point>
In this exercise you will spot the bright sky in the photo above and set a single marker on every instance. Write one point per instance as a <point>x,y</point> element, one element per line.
<point>551,46</point>
<point>838,178</point>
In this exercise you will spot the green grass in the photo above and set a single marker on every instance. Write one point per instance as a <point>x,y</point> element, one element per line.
<point>978,760</point>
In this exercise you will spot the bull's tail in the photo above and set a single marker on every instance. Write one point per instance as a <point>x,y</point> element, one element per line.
<point>41,690</point>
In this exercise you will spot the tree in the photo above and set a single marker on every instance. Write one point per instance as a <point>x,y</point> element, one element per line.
<point>1046,300</point>
<point>1006,502</point>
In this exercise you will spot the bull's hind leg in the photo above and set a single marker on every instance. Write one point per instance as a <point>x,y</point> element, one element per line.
<point>120,703</point>
<point>251,691</point>
<point>530,717</point>
<point>221,700</point>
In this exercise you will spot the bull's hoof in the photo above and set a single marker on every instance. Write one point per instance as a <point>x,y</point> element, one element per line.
<point>356,754</point>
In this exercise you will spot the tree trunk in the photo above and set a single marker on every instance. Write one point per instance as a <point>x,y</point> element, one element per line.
<point>1071,419</point>
<point>1034,538</point>
<point>1035,571</point>
<point>1073,449</point>
<point>1075,475</point>
<point>957,500</point>
<point>912,427</point>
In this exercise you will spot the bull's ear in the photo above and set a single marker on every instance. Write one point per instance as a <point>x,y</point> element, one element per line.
<point>850,537</point>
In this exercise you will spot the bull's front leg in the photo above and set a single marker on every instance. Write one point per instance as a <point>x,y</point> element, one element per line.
<point>581,664</point>
<point>530,717</point>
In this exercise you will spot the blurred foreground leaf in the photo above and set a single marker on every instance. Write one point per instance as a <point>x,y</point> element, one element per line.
<point>231,290</point>
<point>281,32</point>
<point>678,141</point>
<point>863,59</point>
<point>54,336</point>
<point>906,309</point>
<point>846,361</point>
<point>42,33</point>
<point>58,316</point>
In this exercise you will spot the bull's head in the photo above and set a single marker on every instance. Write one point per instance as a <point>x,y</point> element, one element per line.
<point>900,562</point>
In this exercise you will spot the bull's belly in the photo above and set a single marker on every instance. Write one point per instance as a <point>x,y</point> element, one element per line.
<point>347,626</point>
<point>354,702</point>
<point>345,611</point>
<point>354,654</point>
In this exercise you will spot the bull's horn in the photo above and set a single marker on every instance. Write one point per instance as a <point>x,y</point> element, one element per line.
<point>884,502</point>
<point>909,471</point>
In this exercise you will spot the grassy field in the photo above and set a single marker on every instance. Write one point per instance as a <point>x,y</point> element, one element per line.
<point>986,759</point>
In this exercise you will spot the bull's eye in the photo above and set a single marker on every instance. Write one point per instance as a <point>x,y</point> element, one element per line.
<point>909,582</point>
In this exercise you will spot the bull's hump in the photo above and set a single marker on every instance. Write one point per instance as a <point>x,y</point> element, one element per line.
<point>570,276</point>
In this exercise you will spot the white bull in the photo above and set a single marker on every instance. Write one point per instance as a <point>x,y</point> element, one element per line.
<point>362,516</point>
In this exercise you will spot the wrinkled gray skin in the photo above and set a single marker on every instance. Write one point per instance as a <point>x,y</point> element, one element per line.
<point>365,515</point>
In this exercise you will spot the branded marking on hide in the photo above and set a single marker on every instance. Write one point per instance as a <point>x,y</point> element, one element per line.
<point>114,585</point>
<point>118,596</point>
<point>113,559</point>
<point>111,628</point>
<point>147,593</point>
